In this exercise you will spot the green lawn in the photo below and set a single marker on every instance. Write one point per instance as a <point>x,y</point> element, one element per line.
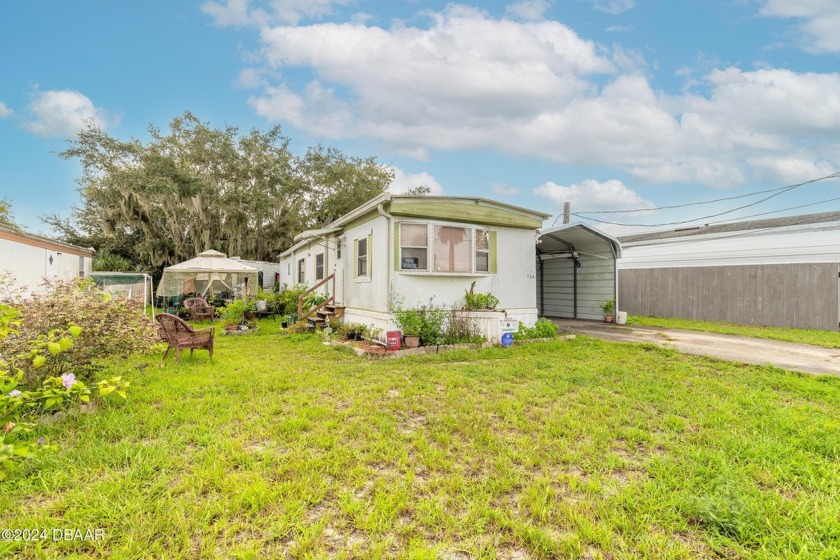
<point>284,447</point>
<point>827,339</point>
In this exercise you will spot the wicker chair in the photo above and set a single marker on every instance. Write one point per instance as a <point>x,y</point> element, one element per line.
<point>199,308</point>
<point>180,336</point>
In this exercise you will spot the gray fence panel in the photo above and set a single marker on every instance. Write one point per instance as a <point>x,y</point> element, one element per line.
<point>786,295</point>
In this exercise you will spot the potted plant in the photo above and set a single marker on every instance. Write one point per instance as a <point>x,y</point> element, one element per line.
<point>410,322</point>
<point>608,307</point>
<point>234,314</point>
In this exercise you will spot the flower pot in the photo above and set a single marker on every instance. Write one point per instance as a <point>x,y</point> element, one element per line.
<point>232,327</point>
<point>608,318</point>
<point>412,341</point>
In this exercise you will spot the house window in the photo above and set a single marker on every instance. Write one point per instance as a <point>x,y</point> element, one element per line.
<point>362,257</point>
<point>81,267</point>
<point>414,246</point>
<point>482,250</point>
<point>453,249</point>
<point>319,266</point>
<point>444,249</point>
<point>302,271</point>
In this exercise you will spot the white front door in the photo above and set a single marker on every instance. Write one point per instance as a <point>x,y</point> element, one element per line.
<point>51,265</point>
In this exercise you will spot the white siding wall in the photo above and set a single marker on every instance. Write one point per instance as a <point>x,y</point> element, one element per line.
<point>803,244</point>
<point>30,265</point>
<point>367,293</point>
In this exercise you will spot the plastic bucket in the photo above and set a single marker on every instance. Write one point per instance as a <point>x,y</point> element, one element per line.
<point>621,317</point>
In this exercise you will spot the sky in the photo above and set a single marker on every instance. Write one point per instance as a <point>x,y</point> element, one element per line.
<point>611,105</point>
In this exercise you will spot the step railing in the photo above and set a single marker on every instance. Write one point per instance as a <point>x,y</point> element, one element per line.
<point>330,298</point>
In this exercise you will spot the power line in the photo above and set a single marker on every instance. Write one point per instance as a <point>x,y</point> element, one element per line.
<point>831,176</point>
<point>776,192</point>
<point>756,215</point>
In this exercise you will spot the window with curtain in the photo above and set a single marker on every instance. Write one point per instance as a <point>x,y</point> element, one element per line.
<point>482,250</point>
<point>362,257</point>
<point>414,247</point>
<point>452,249</point>
<point>319,266</point>
<point>302,271</point>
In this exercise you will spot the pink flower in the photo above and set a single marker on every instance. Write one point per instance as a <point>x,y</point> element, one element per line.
<point>15,393</point>
<point>68,380</point>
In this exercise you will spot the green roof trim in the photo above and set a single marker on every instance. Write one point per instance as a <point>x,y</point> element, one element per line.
<point>465,210</point>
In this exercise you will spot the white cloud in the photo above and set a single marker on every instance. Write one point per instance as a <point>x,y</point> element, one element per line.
<point>505,190</point>
<point>242,13</point>
<point>820,20</point>
<point>64,113</point>
<point>528,10</point>
<point>613,7</point>
<point>469,81</point>
<point>592,195</point>
<point>251,78</point>
<point>404,181</point>
<point>5,111</point>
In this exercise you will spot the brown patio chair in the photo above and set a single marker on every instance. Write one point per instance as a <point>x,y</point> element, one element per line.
<point>199,308</point>
<point>180,336</point>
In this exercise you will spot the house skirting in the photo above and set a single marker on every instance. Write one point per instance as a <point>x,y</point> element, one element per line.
<point>486,322</point>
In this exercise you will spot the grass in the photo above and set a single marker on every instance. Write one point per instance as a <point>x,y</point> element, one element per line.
<point>284,447</point>
<point>827,339</point>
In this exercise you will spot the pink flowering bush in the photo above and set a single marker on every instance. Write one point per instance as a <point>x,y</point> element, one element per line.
<point>102,326</point>
<point>18,407</point>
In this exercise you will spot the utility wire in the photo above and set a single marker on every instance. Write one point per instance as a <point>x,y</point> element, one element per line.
<point>776,192</point>
<point>831,176</point>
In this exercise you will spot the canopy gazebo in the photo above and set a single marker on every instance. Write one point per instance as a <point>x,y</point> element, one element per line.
<point>211,272</point>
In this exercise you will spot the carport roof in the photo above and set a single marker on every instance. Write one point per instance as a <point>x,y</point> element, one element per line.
<point>576,237</point>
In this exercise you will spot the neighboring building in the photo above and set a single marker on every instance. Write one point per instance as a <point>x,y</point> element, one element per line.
<point>269,272</point>
<point>411,250</point>
<point>781,271</point>
<point>32,259</point>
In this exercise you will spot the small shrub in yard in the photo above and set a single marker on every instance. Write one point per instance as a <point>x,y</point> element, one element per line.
<point>479,301</point>
<point>107,327</point>
<point>542,329</point>
<point>436,325</point>
<point>18,407</point>
<point>287,300</point>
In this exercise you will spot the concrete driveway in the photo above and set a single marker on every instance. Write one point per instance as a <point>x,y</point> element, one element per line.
<point>788,355</point>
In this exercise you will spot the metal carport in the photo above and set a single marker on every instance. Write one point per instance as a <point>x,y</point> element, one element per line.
<point>576,271</point>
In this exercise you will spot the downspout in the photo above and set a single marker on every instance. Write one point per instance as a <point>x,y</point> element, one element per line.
<point>542,284</point>
<point>389,247</point>
<point>574,284</point>
<point>615,277</point>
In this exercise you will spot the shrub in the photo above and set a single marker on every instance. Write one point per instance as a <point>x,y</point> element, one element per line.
<point>608,306</point>
<point>477,301</point>
<point>542,329</point>
<point>107,326</point>
<point>54,394</point>
<point>435,325</point>
<point>352,331</point>
<point>410,321</point>
<point>234,312</point>
<point>288,299</point>
<point>313,300</point>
